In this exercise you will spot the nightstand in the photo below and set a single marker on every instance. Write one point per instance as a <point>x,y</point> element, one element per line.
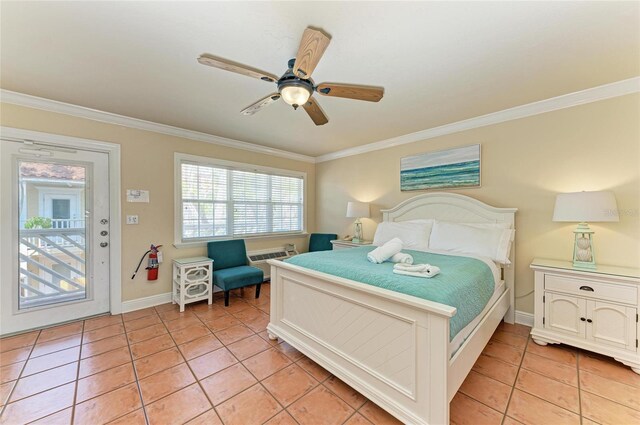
<point>596,310</point>
<point>342,244</point>
<point>192,280</point>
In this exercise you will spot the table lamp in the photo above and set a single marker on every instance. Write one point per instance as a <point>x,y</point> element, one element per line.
<point>582,207</point>
<point>357,210</point>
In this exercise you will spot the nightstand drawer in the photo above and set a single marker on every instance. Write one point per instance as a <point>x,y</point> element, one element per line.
<point>592,289</point>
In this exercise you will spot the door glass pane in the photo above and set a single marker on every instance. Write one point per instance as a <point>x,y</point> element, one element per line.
<point>52,237</point>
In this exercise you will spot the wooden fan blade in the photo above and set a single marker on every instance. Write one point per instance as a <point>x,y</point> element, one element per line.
<point>350,91</point>
<point>262,103</point>
<point>315,112</point>
<point>228,65</point>
<point>312,47</point>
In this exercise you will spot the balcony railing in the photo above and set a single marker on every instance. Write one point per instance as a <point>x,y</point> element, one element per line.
<point>52,266</point>
<point>67,223</point>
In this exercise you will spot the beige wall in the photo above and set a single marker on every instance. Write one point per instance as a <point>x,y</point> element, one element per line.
<point>147,163</point>
<point>525,163</point>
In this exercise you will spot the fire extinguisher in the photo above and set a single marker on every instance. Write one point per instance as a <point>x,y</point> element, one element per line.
<point>155,258</point>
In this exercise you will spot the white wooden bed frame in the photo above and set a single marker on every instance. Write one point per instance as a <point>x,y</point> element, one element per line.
<point>391,347</point>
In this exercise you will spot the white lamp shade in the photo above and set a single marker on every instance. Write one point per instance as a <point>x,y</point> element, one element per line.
<point>586,207</point>
<point>357,210</point>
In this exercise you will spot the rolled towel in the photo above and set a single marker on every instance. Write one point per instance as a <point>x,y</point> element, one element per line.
<point>401,258</point>
<point>419,270</point>
<point>386,251</point>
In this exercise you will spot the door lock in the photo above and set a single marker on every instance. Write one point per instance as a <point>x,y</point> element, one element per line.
<point>103,244</point>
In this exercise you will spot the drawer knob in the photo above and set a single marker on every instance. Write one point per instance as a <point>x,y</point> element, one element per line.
<point>583,319</point>
<point>586,288</point>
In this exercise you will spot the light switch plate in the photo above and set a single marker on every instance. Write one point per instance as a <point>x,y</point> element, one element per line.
<point>132,219</point>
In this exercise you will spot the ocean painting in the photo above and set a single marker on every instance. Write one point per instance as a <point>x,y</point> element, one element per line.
<point>453,168</point>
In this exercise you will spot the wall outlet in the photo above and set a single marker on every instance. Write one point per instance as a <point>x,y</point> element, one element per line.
<point>132,219</point>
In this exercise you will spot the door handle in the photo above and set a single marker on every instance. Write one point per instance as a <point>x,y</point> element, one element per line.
<point>104,244</point>
<point>586,288</point>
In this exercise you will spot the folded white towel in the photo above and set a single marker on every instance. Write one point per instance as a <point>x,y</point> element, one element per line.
<point>402,258</point>
<point>411,267</point>
<point>417,270</point>
<point>386,251</point>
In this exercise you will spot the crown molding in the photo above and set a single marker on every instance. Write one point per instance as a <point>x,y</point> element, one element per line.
<point>29,101</point>
<point>594,94</point>
<point>607,91</point>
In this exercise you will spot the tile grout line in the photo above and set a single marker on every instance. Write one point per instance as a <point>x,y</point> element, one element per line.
<point>258,381</point>
<point>190,369</point>
<point>133,365</point>
<point>550,377</point>
<point>2,410</point>
<point>579,386</point>
<point>75,390</point>
<point>513,387</point>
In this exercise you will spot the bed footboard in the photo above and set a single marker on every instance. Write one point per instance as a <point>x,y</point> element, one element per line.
<point>369,337</point>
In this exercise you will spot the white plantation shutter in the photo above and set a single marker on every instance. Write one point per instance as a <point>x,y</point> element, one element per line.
<point>225,202</point>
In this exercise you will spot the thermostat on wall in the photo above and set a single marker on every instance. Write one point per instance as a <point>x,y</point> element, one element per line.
<point>136,195</point>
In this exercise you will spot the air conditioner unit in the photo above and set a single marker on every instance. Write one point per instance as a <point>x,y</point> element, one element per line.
<point>259,258</point>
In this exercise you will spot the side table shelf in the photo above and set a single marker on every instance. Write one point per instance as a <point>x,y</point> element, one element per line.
<point>192,280</point>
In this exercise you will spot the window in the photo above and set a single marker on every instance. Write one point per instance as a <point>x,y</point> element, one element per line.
<point>220,199</point>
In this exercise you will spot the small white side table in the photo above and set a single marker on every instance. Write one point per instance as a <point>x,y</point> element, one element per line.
<point>342,244</point>
<point>192,280</point>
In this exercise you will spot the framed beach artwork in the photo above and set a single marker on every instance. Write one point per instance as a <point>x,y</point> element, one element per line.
<point>448,169</point>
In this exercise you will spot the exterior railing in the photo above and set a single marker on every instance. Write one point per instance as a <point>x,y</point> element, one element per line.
<point>52,266</point>
<point>64,223</point>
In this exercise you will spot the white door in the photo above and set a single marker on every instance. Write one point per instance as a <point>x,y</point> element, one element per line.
<point>612,325</point>
<point>565,314</point>
<point>54,235</point>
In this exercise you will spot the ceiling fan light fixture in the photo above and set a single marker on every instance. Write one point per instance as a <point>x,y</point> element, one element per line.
<point>295,94</point>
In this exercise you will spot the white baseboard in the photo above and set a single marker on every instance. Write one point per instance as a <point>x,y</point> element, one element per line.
<point>140,303</point>
<point>524,318</point>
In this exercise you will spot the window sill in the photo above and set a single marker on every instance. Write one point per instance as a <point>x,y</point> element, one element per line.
<point>199,244</point>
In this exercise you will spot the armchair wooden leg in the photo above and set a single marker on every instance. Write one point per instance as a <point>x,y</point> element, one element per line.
<point>226,298</point>
<point>258,290</point>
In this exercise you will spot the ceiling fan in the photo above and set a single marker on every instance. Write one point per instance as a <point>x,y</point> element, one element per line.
<point>295,86</point>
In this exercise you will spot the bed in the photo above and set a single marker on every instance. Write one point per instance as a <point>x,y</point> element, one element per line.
<point>392,347</point>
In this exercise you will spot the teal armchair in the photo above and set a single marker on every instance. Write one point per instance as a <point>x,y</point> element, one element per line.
<point>321,241</point>
<point>230,269</point>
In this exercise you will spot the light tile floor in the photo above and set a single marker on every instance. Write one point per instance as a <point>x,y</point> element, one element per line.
<point>213,365</point>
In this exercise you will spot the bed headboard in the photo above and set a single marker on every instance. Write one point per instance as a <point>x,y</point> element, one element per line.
<point>461,209</point>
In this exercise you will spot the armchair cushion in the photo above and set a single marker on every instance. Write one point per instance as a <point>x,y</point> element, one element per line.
<point>225,254</point>
<point>237,277</point>
<point>321,241</point>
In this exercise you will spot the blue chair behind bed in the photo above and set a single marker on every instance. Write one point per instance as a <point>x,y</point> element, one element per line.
<point>321,241</point>
<point>230,269</point>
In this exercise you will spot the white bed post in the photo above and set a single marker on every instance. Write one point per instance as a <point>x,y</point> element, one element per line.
<point>510,281</point>
<point>437,374</point>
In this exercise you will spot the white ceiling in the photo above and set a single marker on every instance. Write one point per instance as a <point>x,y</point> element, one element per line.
<point>439,62</point>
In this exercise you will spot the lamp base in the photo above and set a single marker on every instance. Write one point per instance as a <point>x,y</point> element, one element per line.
<point>357,236</point>
<point>584,265</point>
<point>583,252</point>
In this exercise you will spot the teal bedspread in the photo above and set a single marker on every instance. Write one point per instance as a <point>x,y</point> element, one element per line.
<point>464,283</point>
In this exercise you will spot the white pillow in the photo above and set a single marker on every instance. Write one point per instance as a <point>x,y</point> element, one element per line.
<point>413,235</point>
<point>492,242</point>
